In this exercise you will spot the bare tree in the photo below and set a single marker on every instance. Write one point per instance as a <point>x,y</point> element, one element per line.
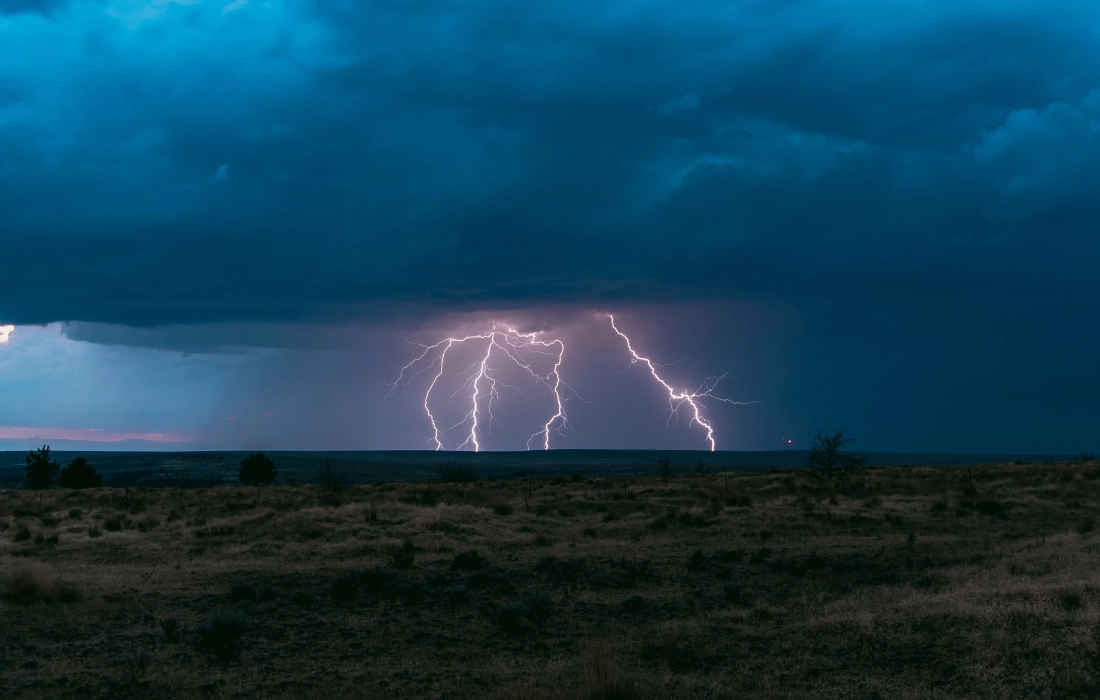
<point>665,464</point>
<point>328,477</point>
<point>827,460</point>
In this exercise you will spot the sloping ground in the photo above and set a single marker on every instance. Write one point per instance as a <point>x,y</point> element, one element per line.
<point>909,583</point>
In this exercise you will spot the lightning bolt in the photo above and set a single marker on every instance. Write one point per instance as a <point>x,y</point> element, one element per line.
<point>528,352</point>
<point>677,399</point>
<point>521,350</point>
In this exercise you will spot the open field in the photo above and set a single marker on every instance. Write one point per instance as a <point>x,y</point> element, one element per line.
<point>925,582</point>
<point>215,468</point>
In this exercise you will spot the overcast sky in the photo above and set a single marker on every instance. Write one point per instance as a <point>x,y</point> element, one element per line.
<point>222,223</point>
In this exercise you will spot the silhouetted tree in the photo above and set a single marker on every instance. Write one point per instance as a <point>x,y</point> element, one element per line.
<point>257,469</point>
<point>41,469</point>
<point>328,477</point>
<point>79,475</point>
<point>827,460</point>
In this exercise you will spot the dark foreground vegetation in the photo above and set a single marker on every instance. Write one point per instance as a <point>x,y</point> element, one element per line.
<point>976,582</point>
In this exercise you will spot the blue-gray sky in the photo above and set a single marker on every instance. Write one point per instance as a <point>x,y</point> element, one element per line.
<point>873,215</point>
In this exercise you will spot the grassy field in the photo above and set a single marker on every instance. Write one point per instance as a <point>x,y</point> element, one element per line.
<point>909,583</point>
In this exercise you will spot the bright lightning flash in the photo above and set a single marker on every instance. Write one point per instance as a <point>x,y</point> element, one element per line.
<point>521,349</point>
<point>526,351</point>
<point>677,399</point>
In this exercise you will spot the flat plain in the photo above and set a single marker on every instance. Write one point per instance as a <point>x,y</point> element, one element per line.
<point>907,582</point>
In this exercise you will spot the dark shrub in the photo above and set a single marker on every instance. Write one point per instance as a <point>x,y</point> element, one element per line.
<point>114,524</point>
<point>456,595</point>
<point>509,618</point>
<point>502,509</point>
<point>538,607</point>
<point>698,561</point>
<point>469,561</point>
<point>302,598</point>
<point>633,605</point>
<point>481,580</point>
<point>76,514</point>
<point>453,472</point>
<point>79,475</point>
<point>564,571</point>
<point>732,591</point>
<point>40,470</point>
<point>243,592</point>
<point>375,579</point>
<point>345,587</point>
<point>402,559</point>
<point>147,523</point>
<point>989,507</point>
<point>729,556</point>
<point>30,585</point>
<point>256,469</point>
<point>22,534</point>
<point>267,594</point>
<point>939,506</point>
<point>632,572</point>
<point>1069,599</point>
<point>171,628</point>
<point>222,634</point>
<point>94,531</point>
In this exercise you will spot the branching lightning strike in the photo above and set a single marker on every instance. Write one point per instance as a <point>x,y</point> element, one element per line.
<point>676,399</point>
<point>522,350</point>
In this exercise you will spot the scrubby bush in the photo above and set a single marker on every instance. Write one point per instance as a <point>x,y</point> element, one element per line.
<point>171,629</point>
<point>76,514</point>
<point>509,618</point>
<point>698,561</point>
<point>267,594</point>
<point>344,587</point>
<point>114,523</point>
<point>243,591</point>
<point>402,558</point>
<point>94,531</point>
<point>222,634</point>
<point>257,469</point>
<point>633,605</point>
<point>78,474</point>
<point>453,472</point>
<point>732,591</point>
<point>502,509</point>
<point>22,534</point>
<point>456,595</point>
<point>302,598</point>
<point>30,585</point>
<point>147,523</point>
<point>538,607</point>
<point>469,561</point>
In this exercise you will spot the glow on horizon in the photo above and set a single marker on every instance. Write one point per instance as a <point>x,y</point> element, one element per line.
<point>87,434</point>
<point>5,333</point>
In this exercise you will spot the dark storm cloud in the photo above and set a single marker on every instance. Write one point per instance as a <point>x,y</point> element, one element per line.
<point>171,163</point>
<point>42,7</point>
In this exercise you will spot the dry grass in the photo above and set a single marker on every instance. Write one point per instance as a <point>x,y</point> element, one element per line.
<point>914,583</point>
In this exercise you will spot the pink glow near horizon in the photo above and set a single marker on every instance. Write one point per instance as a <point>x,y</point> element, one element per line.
<point>88,434</point>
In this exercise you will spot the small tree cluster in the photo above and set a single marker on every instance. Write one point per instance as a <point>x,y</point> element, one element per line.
<point>40,472</point>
